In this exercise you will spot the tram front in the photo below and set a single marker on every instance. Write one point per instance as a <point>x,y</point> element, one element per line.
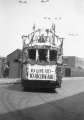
<point>39,67</point>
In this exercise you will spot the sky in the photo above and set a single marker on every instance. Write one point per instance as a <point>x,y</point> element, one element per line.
<point>17,18</point>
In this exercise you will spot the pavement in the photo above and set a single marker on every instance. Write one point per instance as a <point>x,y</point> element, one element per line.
<point>9,80</point>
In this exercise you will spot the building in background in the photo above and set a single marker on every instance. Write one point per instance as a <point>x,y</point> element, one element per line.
<point>3,63</point>
<point>14,65</point>
<point>73,66</point>
<point>74,62</point>
<point>1,75</point>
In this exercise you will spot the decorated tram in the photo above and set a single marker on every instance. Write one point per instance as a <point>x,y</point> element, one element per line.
<point>42,59</point>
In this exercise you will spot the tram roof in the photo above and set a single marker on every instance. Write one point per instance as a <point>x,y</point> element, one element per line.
<point>40,45</point>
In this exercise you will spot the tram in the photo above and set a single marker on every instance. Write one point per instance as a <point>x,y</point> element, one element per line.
<point>42,60</point>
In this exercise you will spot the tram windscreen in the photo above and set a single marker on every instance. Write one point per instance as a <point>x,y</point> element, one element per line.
<point>32,54</point>
<point>42,55</point>
<point>53,55</point>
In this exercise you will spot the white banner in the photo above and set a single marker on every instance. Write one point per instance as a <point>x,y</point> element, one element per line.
<point>39,72</point>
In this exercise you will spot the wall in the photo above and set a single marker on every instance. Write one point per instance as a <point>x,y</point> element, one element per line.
<point>1,67</point>
<point>3,62</point>
<point>14,67</point>
<point>79,63</point>
<point>77,72</point>
<point>69,60</point>
<point>76,65</point>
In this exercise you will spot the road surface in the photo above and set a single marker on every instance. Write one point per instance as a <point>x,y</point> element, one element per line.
<point>67,103</point>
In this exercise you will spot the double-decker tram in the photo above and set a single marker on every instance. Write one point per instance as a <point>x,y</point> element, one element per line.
<point>42,60</point>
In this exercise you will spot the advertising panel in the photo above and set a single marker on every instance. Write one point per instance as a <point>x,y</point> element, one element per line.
<point>39,72</point>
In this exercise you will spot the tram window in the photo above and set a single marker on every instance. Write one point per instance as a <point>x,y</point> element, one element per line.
<point>32,54</point>
<point>42,54</point>
<point>53,55</point>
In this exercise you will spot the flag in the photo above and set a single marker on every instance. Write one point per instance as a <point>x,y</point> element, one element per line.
<point>53,27</point>
<point>34,27</point>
